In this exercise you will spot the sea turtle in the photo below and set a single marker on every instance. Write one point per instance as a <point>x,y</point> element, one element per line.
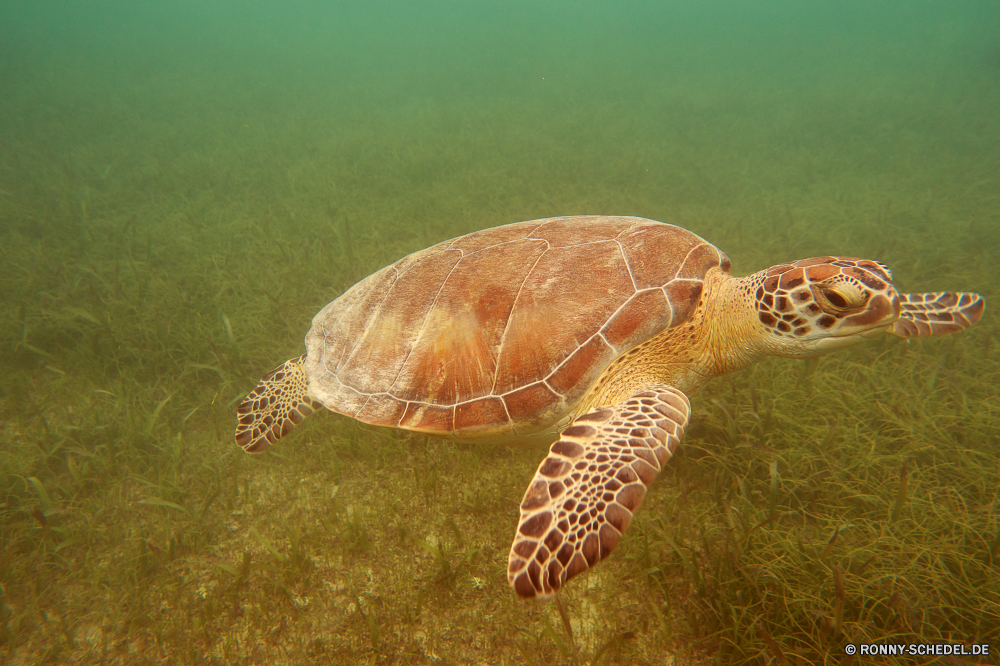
<point>589,331</point>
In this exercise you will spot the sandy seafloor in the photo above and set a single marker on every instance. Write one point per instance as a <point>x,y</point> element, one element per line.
<point>183,185</point>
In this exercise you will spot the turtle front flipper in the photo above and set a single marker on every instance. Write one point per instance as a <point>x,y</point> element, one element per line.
<point>586,491</point>
<point>278,403</point>
<point>937,313</point>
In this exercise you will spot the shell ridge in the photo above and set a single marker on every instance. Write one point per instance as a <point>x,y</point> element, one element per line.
<point>501,244</point>
<point>631,228</point>
<point>365,404</point>
<point>621,307</point>
<point>531,234</point>
<point>510,315</point>
<point>349,388</point>
<point>681,264</point>
<point>628,267</point>
<point>569,356</point>
<point>405,327</point>
<point>405,410</point>
<point>596,241</point>
<point>357,341</point>
<point>670,305</point>
<point>423,324</point>
<point>549,386</point>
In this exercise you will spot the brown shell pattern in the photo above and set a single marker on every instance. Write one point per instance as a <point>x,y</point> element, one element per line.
<point>503,331</point>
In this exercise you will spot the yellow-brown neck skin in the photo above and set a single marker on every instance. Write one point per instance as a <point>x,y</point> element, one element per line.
<point>728,334</point>
<point>732,336</point>
<point>723,335</point>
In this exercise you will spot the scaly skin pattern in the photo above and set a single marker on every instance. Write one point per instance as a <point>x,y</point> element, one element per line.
<point>590,331</point>
<point>498,335</point>
<point>585,493</point>
<point>775,312</point>
<point>278,403</point>
<point>938,313</point>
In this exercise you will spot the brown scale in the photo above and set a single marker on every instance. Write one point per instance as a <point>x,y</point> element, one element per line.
<point>587,342</point>
<point>273,408</point>
<point>593,522</point>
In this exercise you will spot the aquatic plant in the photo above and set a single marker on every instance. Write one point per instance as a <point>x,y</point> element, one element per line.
<point>161,247</point>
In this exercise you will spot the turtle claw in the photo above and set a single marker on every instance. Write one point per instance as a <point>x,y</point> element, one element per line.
<point>586,491</point>
<point>936,313</point>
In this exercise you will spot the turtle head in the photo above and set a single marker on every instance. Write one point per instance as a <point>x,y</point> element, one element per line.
<point>814,306</point>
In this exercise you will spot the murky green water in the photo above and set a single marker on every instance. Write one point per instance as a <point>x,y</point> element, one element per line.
<point>183,185</point>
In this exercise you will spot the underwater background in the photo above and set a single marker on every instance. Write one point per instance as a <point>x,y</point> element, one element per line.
<point>184,185</point>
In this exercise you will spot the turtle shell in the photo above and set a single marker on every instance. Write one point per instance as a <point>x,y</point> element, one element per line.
<point>501,333</point>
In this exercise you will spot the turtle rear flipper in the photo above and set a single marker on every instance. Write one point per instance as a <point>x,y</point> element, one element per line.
<point>278,403</point>
<point>586,491</point>
<point>937,313</point>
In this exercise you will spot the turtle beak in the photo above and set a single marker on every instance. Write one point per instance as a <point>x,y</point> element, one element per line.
<point>881,312</point>
<point>890,312</point>
<point>897,305</point>
<point>895,309</point>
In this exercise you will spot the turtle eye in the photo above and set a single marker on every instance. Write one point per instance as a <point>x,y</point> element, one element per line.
<point>840,299</point>
<point>835,299</point>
